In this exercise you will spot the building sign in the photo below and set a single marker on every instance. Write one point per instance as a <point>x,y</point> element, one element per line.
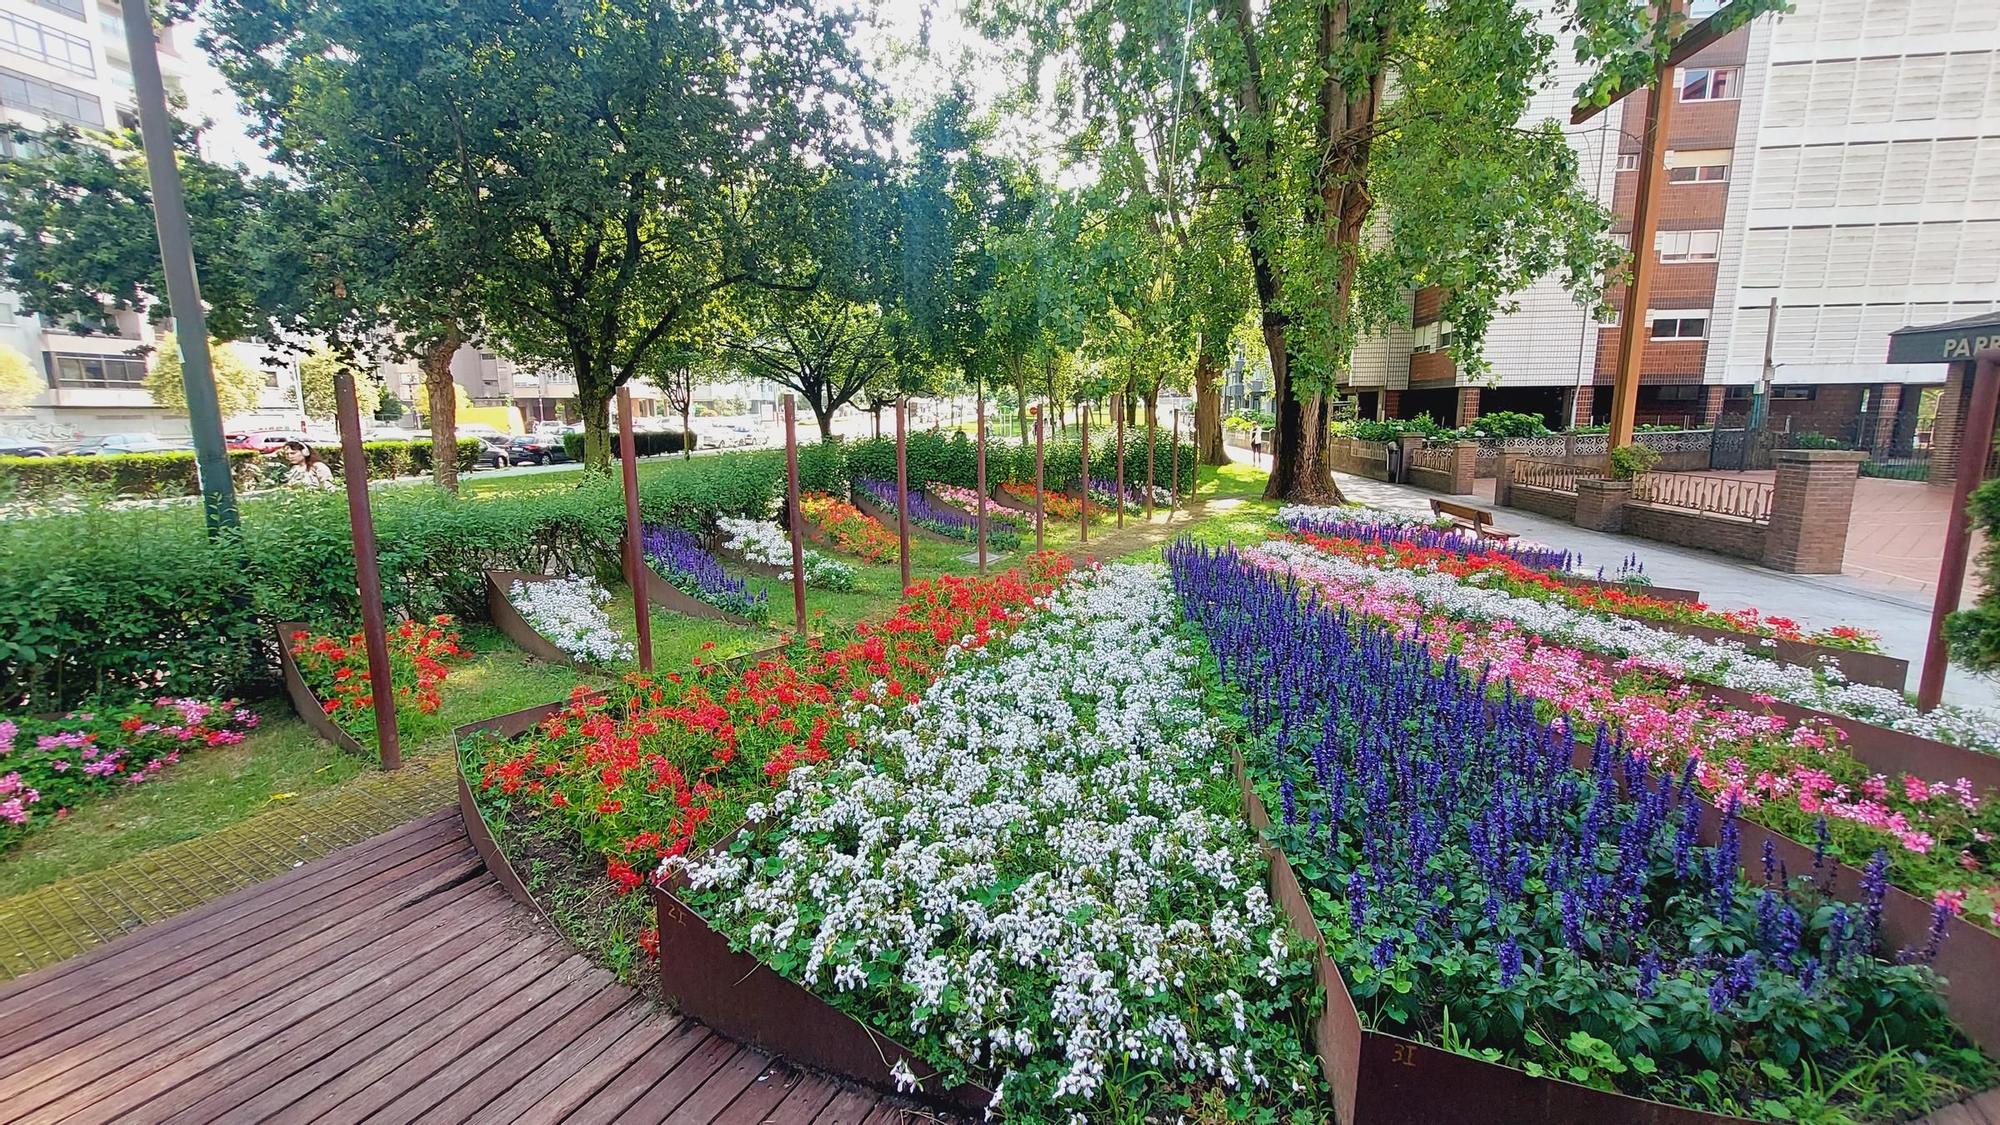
<point>1958,342</point>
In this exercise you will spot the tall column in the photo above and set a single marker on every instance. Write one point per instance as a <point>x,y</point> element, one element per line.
<point>1811,504</point>
<point>1948,430</point>
<point>1882,419</point>
<point>1468,406</point>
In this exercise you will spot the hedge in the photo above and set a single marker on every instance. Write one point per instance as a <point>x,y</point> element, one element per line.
<point>645,443</point>
<point>173,474</point>
<point>935,456</point>
<point>1973,635</point>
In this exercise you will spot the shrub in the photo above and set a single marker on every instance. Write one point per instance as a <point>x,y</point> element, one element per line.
<point>1811,440</point>
<point>1506,424</point>
<point>645,443</point>
<point>1628,461</point>
<point>173,474</point>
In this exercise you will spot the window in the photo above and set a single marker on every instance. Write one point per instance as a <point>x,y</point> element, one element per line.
<point>1677,325</point>
<point>1702,9</point>
<point>46,44</point>
<point>99,371</point>
<point>21,91</point>
<point>1688,245</point>
<point>8,313</point>
<point>71,8</point>
<point>1796,394</point>
<point>1628,162</point>
<point>1432,337</point>
<point>1677,392</point>
<point>1698,174</point>
<point>1740,392</point>
<point>1711,84</point>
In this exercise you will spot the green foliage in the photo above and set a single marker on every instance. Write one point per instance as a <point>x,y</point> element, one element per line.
<point>1813,440</point>
<point>237,384</point>
<point>19,381</point>
<point>390,410</point>
<point>1973,635</point>
<point>316,372</point>
<point>951,459</point>
<point>1506,424</point>
<point>1628,461</point>
<point>645,443</point>
<point>173,474</point>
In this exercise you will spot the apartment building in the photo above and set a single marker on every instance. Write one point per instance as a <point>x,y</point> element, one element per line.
<point>540,393</point>
<point>65,62</point>
<point>1842,162</point>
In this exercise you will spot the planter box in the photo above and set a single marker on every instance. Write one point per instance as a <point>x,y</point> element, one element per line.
<point>714,543</point>
<point>500,607</point>
<point>741,997</point>
<point>309,707</point>
<point>1884,749</point>
<point>667,596</point>
<point>511,725</point>
<point>1890,672</point>
<point>888,519</point>
<point>1663,593</point>
<point>1382,1078</point>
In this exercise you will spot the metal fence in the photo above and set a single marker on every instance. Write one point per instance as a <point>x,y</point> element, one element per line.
<point>1554,476</point>
<point>1721,496</point>
<point>1434,457</point>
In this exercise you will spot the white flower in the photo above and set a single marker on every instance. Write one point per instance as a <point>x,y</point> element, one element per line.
<point>568,611</point>
<point>765,543</point>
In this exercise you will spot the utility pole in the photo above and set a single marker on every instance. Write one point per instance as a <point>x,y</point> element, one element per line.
<point>156,131</point>
<point>1760,402</point>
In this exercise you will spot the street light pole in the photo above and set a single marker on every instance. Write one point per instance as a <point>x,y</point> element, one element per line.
<point>156,131</point>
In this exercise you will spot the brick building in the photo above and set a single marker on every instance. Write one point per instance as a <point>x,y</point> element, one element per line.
<point>1843,162</point>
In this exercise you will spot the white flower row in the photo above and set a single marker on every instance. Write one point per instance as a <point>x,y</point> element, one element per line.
<point>1025,870</point>
<point>569,612</point>
<point>1360,513</point>
<point>765,543</point>
<point>1726,663</point>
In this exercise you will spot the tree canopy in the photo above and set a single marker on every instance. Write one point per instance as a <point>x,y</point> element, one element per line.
<point>237,384</point>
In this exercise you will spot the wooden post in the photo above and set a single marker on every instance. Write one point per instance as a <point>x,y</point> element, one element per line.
<point>1633,330</point>
<point>367,572</point>
<point>903,490</point>
<point>1174,456</point>
<point>1152,427</point>
<point>1118,425</point>
<point>979,458</point>
<point>1038,478</point>
<point>635,557</point>
<point>1083,482</point>
<point>1975,444</point>
<point>792,512</point>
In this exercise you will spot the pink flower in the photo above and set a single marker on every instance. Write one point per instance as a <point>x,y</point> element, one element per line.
<point>1953,901</point>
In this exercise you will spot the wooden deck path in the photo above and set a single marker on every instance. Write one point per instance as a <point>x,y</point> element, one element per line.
<point>392,981</point>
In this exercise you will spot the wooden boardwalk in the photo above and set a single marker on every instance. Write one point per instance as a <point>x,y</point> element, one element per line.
<point>393,981</point>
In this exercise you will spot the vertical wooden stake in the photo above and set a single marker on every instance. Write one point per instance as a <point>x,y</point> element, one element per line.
<point>903,491</point>
<point>1974,446</point>
<point>1120,485</point>
<point>979,458</point>
<point>1174,455</point>
<point>635,557</point>
<point>792,513</point>
<point>1083,482</point>
<point>367,572</point>
<point>1152,428</point>
<point>1038,479</point>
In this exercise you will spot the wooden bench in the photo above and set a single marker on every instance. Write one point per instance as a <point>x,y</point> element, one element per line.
<point>1479,521</point>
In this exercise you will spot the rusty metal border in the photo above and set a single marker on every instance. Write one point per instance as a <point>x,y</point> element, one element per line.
<point>1002,499</point>
<point>714,541</point>
<point>501,609</point>
<point>665,595</point>
<point>868,507</point>
<point>1872,668</point>
<point>310,709</point>
<point>511,725</point>
<point>1883,748</point>
<point>1663,593</point>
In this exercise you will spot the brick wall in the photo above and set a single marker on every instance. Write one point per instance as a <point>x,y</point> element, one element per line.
<point>1360,458</point>
<point>1542,501</point>
<point>1426,305</point>
<point>1468,406</point>
<point>1832,410</point>
<point>1432,369</point>
<point>1725,535</point>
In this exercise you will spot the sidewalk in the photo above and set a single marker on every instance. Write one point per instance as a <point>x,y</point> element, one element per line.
<point>1817,601</point>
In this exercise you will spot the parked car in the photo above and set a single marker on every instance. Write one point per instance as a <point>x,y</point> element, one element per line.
<point>260,441</point>
<point>25,447</point>
<point>494,452</point>
<point>538,449</point>
<point>108,444</point>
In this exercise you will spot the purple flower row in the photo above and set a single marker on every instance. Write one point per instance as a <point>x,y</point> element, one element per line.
<point>1533,556</point>
<point>682,560</point>
<point>941,518</point>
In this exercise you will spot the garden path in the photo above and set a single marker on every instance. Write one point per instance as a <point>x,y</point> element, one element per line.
<point>56,922</point>
<point>394,980</point>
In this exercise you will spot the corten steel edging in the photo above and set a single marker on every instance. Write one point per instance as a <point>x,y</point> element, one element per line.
<point>1661,593</point>
<point>308,706</point>
<point>1383,1079</point>
<point>741,997</point>
<point>1969,959</point>
<point>1859,667</point>
<point>665,595</point>
<point>509,726</point>
<point>715,544</point>
<point>868,507</point>
<point>500,607</point>
<point>1881,748</point>
<point>1001,498</point>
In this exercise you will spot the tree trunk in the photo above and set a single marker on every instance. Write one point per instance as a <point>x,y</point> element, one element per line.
<point>687,424</point>
<point>1209,448</point>
<point>1021,395</point>
<point>443,396</point>
<point>596,409</point>
<point>1299,470</point>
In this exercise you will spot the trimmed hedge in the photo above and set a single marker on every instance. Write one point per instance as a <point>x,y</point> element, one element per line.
<point>173,474</point>
<point>645,443</point>
<point>1973,635</point>
<point>935,456</point>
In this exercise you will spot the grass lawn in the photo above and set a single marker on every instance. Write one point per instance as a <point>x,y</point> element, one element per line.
<point>282,761</point>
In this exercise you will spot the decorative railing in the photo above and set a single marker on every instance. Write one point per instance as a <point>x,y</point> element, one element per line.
<point>1554,476</point>
<point>1590,445</point>
<point>1434,457</point>
<point>1720,496</point>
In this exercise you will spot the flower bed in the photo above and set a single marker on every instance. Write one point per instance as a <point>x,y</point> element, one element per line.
<point>1401,539</point>
<point>967,500</point>
<point>652,770</point>
<point>565,615</point>
<point>680,558</point>
<point>1059,506</point>
<point>335,670</point>
<point>850,529</point>
<point>941,520</point>
<point>1478,892</point>
<point>49,766</point>
<point>1794,777</point>
<point>764,544</point>
<point>1040,871</point>
<point>1727,664</point>
<point>1133,497</point>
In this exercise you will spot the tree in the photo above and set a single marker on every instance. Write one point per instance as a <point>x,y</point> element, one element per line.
<point>1311,119</point>
<point>19,383</point>
<point>826,348</point>
<point>316,372</point>
<point>237,384</point>
<point>390,410</point>
<point>592,171</point>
